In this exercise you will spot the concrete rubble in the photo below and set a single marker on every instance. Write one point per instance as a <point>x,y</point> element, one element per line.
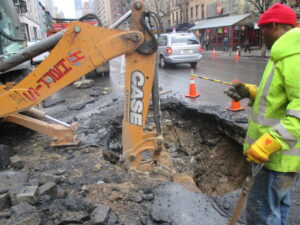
<point>83,84</point>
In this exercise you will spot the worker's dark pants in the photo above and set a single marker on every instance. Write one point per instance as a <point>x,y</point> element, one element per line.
<point>269,198</point>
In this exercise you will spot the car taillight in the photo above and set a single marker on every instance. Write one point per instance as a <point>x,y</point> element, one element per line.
<point>201,48</point>
<point>169,50</point>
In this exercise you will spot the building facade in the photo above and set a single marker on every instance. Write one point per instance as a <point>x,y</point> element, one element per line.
<point>85,8</point>
<point>102,10</point>
<point>29,17</point>
<point>32,15</point>
<point>227,19</point>
<point>187,11</point>
<point>49,6</point>
<point>119,8</point>
<point>78,8</point>
<point>88,7</point>
<point>110,11</point>
<point>91,6</point>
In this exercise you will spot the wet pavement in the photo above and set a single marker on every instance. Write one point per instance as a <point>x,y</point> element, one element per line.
<point>224,68</point>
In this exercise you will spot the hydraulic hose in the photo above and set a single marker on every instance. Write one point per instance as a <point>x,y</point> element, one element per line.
<point>30,52</point>
<point>9,37</point>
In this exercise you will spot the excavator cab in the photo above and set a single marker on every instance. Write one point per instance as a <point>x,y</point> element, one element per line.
<point>12,39</point>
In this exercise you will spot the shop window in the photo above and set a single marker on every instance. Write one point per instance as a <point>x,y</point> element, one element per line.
<point>35,33</point>
<point>212,35</point>
<point>237,35</point>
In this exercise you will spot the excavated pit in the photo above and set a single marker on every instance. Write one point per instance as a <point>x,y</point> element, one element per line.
<point>203,152</point>
<point>201,145</point>
<point>204,147</point>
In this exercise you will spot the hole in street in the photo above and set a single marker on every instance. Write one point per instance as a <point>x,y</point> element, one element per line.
<point>202,147</point>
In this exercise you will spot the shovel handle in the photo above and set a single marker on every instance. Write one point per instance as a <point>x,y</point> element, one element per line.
<point>238,208</point>
<point>245,190</point>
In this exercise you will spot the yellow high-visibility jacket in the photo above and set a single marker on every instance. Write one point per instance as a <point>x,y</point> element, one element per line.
<point>276,109</point>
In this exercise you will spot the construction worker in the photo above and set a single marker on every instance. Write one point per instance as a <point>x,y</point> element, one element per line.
<point>273,135</point>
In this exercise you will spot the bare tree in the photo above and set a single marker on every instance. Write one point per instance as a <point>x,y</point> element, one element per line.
<point>260,5</point>
<point>162,9</point>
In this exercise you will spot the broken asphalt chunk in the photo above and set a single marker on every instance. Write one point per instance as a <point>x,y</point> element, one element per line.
<point>83,84</point>
<point>52,102</point>
<point>16,162</point>
<point>24,194</point>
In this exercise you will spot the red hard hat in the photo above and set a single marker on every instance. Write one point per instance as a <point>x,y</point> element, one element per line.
<point>278,13</point>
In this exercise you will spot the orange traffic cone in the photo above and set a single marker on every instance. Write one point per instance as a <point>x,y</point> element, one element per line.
<point>235,105</point>
<point>214,54</point>
<point>237,55</point>
<point>192,92</point>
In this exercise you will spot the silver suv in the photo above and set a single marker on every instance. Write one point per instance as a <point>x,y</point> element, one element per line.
<point>177,48</point>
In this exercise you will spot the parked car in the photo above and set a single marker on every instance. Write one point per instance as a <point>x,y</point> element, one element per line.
<point>175,48</point>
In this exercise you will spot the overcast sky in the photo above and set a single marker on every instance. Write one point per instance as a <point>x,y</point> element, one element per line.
<point>67,6</point>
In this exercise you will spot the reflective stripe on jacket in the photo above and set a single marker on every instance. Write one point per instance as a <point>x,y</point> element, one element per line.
<point>276,109</point>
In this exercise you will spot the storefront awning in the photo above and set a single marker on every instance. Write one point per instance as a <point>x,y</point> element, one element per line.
<point>225,21</point>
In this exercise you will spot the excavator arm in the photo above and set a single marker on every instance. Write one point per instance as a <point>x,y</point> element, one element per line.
<point>81,49</point>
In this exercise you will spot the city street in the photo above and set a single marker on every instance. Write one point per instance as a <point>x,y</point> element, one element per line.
<point>248,69</point>
<point>202,137</point>
<point>115,112</point>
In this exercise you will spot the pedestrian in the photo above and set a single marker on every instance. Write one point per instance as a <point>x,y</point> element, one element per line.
<point>206,42</point>
<point>203,42</point>
<point>247,46</point>
<point>225,44</point>
<point>273,135</point>
<point>199,37</point>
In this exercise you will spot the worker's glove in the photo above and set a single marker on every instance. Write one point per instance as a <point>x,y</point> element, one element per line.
<point>260,150</point>
<point>241,90</point>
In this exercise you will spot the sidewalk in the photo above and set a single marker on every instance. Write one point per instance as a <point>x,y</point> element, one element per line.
<point>254,53</point>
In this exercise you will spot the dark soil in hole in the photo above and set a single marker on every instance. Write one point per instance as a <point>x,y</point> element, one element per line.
<point>202,151</point>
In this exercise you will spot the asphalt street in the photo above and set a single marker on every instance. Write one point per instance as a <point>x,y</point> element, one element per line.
<point>249,68</point>
<point>223,67</point>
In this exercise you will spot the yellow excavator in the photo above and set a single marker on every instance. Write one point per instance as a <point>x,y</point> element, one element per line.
<point>76,51</point>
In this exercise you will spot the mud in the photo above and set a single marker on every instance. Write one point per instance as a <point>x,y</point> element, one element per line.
<point>204,142</point>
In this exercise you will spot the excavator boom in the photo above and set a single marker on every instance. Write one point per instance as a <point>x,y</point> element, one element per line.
<point>80,50</point>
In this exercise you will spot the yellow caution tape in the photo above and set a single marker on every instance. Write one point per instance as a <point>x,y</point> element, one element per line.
<point>214,80</point>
